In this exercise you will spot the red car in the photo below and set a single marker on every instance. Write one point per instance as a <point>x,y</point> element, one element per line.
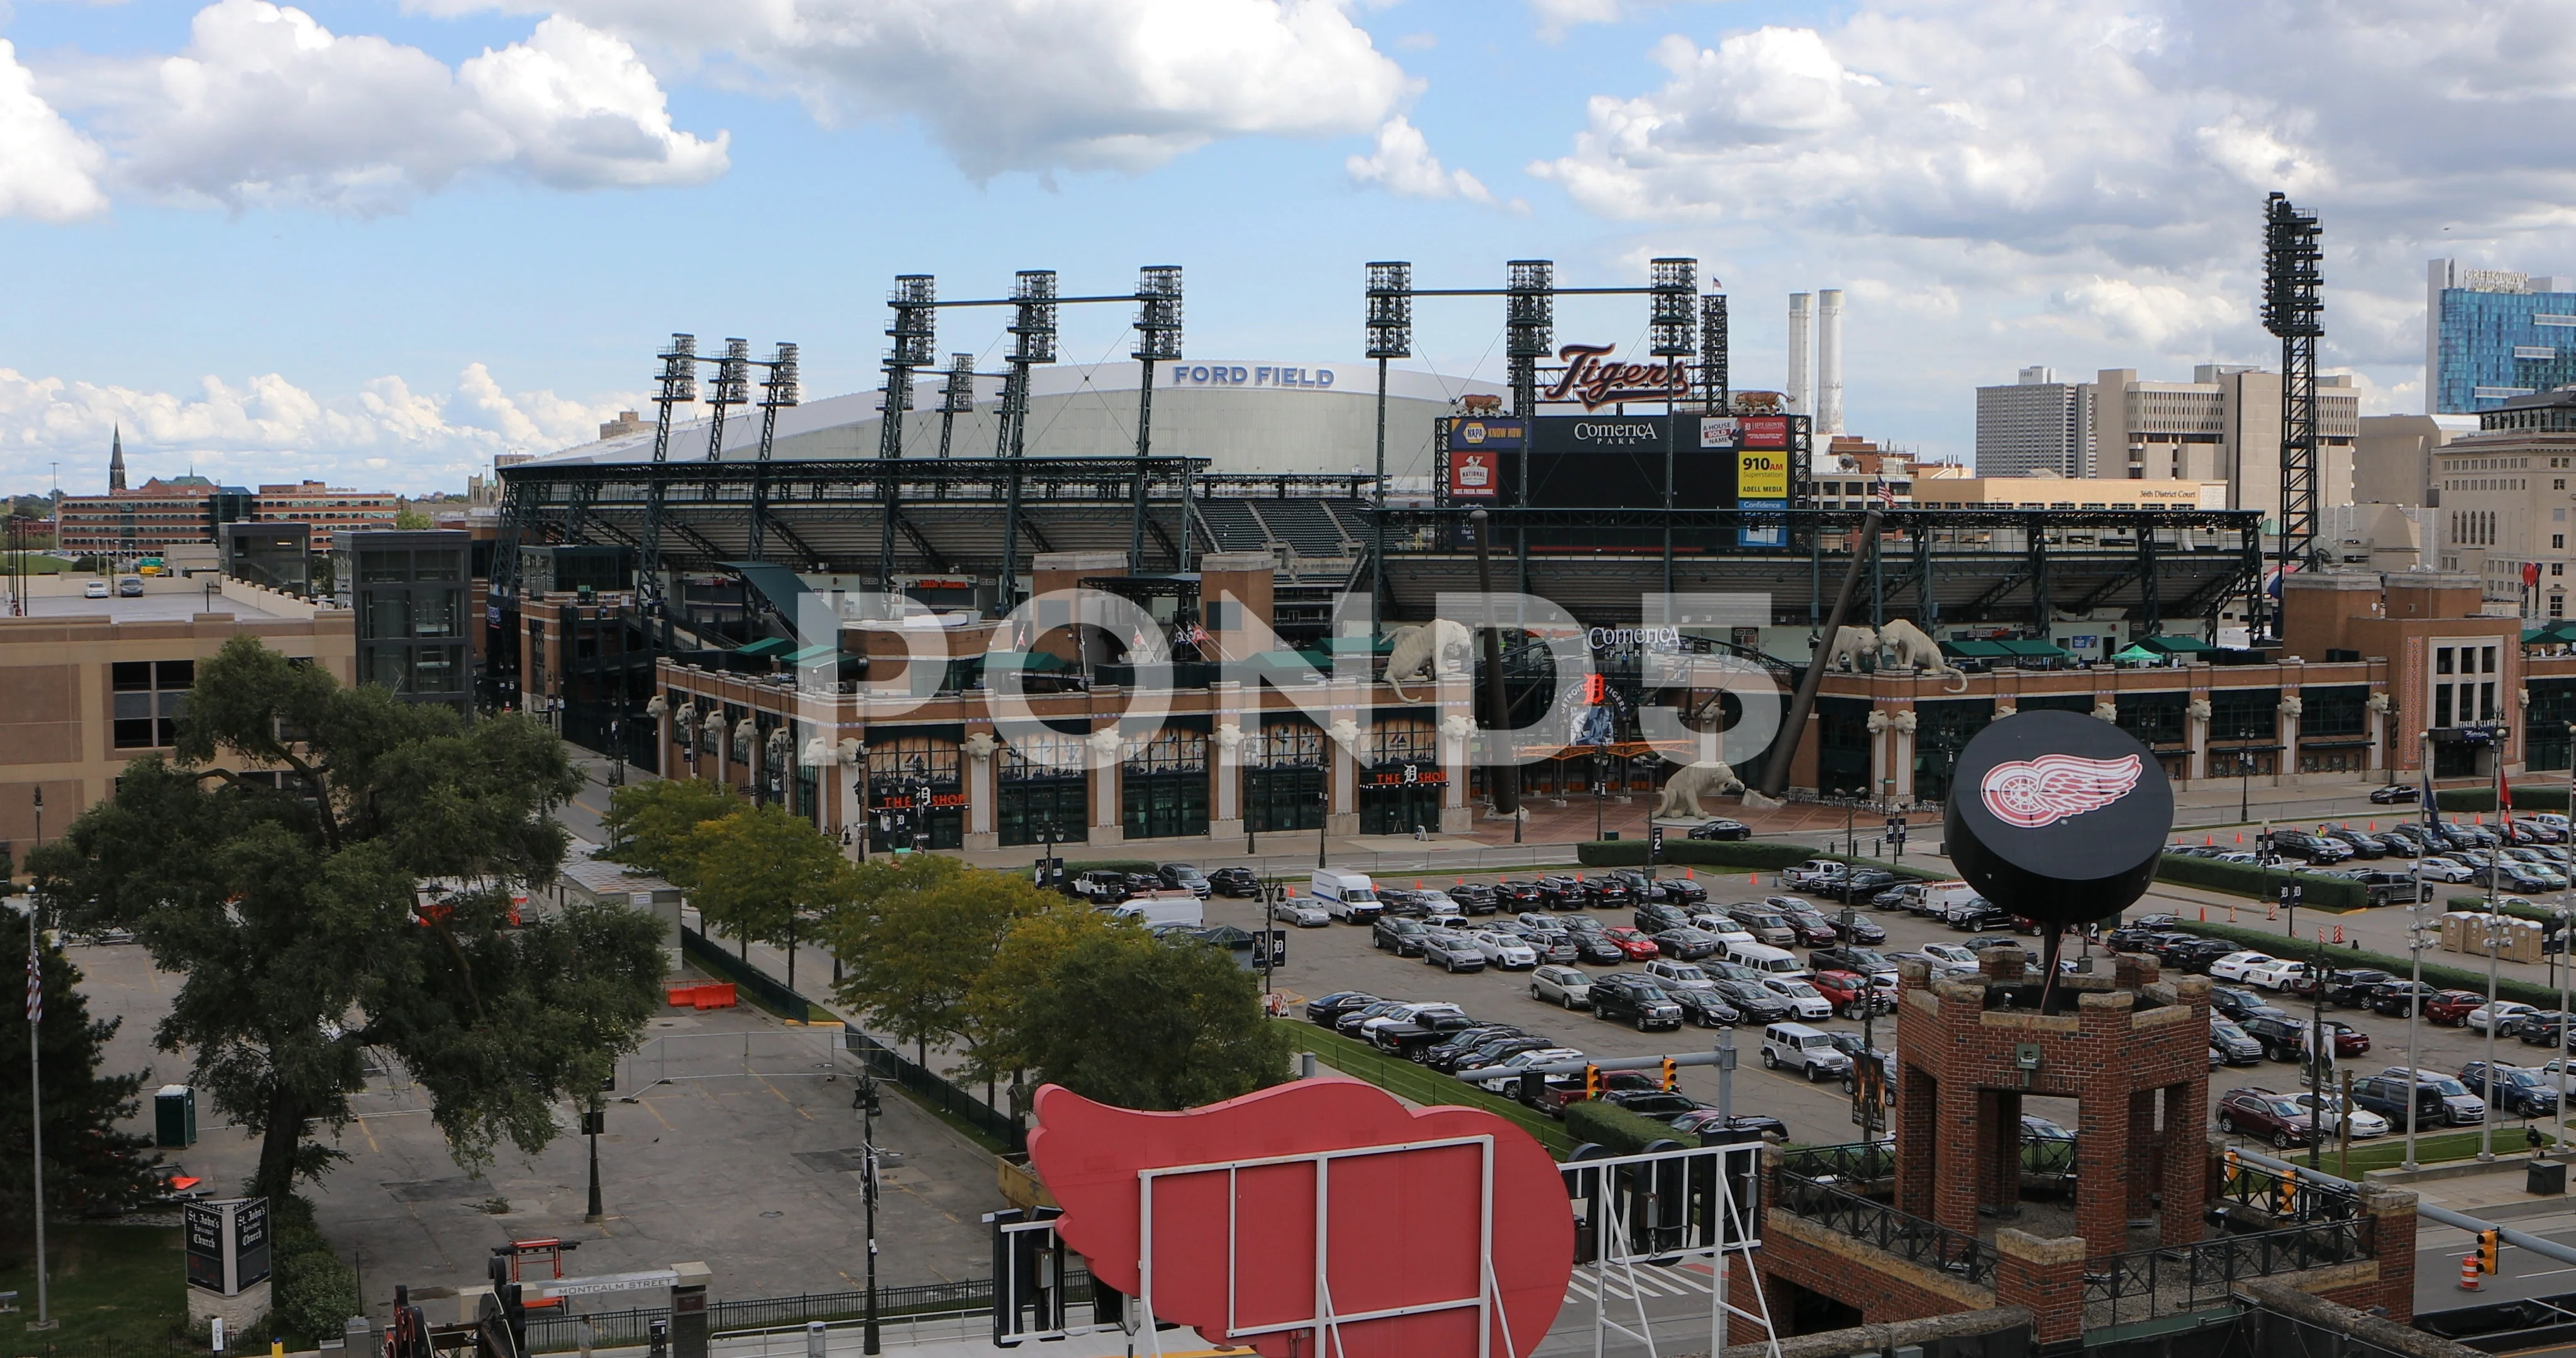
<point>1632,942</point>
<point>2263,1115</point>
<point>2453,1006</point>
<point>1849,992</point>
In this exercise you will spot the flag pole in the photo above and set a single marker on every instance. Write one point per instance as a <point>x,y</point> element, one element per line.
<point>35,1106</point>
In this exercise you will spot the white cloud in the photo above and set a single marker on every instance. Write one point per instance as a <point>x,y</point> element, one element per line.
<point>2088,174</point>
<point>386,432</point>
<point>1036,85</point>
<point>1556,16</point>
<point>1403,164</point>
<point>46,169</point>
<point>266,106</point>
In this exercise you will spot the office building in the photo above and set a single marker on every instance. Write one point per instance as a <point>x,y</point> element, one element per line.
<point>2222,425</point>
<point>276,556</point>
<point>150,519</point>
<point>2392,460</point>
<point>412,594</point>
<point>2504,501</point>
<point>2036,425</point>
<point>331,510</point>
<point>94,683</point>
<point>2491,335</point>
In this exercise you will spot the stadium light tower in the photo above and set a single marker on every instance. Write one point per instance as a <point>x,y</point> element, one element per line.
<point>915,332</point>
<point>1390,335</point>
<point>779,390</point>
<point>956,398</point>
<point>1158,339</point>
<point>1713,342</point>
<point>2294,311</point>
<point>1673,335</point>
<point>676,384</point>
<point>731,387</point>
<point>1033,309</point>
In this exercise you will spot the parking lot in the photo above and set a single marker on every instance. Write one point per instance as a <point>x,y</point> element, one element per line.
<point>1340,957</point>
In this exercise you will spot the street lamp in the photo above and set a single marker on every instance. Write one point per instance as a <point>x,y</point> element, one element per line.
<point>869,1106</point>
<point>2244,782</point>
<point>1324,815</point>
<point>1600,789</point>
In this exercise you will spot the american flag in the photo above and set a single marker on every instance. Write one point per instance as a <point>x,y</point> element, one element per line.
<point>1887,494</point>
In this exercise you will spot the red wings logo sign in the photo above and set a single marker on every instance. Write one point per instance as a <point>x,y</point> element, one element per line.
<point>2043,791</point>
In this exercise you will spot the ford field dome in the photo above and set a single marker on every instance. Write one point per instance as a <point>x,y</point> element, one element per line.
<point>1246,417</point>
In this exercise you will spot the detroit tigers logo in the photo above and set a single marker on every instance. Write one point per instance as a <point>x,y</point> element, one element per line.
<point>2043,791</point>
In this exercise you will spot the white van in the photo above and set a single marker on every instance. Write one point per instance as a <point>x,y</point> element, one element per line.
<point>1939,898</point>
<point>1156,911</point>
<point>1766,959</point>
<point>1346,895</point>
<point>1809,1051</point>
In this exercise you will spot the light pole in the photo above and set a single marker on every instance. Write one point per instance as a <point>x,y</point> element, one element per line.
<point>868,1107</point>
<point>2244,783</point>
<point>1323,814</point>
<point>593,1122</point>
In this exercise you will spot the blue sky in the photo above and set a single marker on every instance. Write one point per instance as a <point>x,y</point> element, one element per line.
<point>378,243</point>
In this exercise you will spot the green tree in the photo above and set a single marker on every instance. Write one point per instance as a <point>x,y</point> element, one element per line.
<point>1140,1023</point>
<point>1027,957</point>
<point>650,824</point>
<point>915,937</point>
<point>290,911</point>
<point>88,1161</point>
<point>412,520</point>
<point>758,872</point>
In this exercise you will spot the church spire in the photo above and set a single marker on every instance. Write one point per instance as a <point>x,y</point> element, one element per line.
<point>116,459</point>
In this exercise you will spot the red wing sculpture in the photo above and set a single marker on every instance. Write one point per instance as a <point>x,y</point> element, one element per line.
<point>1406,1224</point>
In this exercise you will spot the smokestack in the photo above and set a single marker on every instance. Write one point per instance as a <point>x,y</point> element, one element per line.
<point>1829,362</point>
<point>1801,396</point>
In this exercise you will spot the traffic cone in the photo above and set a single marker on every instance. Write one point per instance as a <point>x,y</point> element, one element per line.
<point>2240,836</point>
<point>2272,912</point>
<point>1753,879</point>
<point>2469,1277</point>
<point>1690,874</point>
<point>2204,914</point>
<point>2231,914</point>
<point>2209,841</point>
<point>2338,933</point>
<point>2374,827</point>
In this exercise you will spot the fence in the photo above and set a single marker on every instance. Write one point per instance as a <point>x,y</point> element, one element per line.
<point>1911,1238</point>
<point>2143,1284</point>
<point>766,988</point>
<point>972,1297</point>
<point>2244,1184</point>
<point>941,1093</point>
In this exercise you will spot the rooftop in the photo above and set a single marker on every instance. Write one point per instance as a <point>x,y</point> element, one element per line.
<point>171,606</point>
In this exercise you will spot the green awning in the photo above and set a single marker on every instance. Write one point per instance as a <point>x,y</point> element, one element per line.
<point>1032,661</point>
<point>766,646</point>
<point>2171,645</point>
<point>1976,649</point>
<point>813,654</point>
<point>2038,650</point>
<point>2136,654</point>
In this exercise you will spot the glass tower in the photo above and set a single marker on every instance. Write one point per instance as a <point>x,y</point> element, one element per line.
<point>2491,335</point>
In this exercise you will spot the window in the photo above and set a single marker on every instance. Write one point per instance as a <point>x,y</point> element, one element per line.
<point>2441,660</point>
<point>146,698</point>
<point>2558,542</point>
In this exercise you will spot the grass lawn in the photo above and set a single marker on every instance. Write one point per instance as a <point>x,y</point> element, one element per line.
<point>123,1286</point>
<point>2389,1151</point>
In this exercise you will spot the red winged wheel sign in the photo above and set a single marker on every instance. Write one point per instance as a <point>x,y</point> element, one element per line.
<point>1323,1202</point>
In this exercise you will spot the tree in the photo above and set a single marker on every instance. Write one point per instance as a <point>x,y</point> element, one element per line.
<point>757,871</point>
<point>915,937</point>
<point>291,911</point>
<point>649,824</point>
<point>1027,957</point>
<point>1133,1021</point>
<point>88,1161</point>
<point>411,520</point>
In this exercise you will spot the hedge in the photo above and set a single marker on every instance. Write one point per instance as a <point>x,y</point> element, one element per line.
<point>2550,796</point>
<point>2261,883</point>
<point>1609,1125</point>
<point>1753,854</point>
<point>2436,974</point>
<point>1419,1084</point>
<point>314,1292</point>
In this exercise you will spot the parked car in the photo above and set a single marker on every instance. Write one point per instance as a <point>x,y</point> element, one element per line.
<point>1705,1006</point>
<point>2505,1014</point>
<point>1182,876</point>
<point>1815,874</point>
<point>1654,919</point>
<point>1489,1051</point>
<point>1553,945</point>
<point>1679,891</point>
<point>2546,1028</point>
<point>2264,1115</point>
<point>1980,917</point>
<point>1413,1040</point>
<point>2315,849</point>
<point>2241,1004</point>
<point>1302,911</point>
<point>2349,986</point>
<point>1753,1000</point>
<point>2453,1006</point>
<point>1859,884</point>
<point>2279,973</point>
<point>1519,893</point>
<point>1687,943</point>
<point>1236,882</point>
<point>2462,1108</point>
<point>1099,886</point>
<point>1476,898</point>
<point>1805,1000</point>
<point>1509,1078</point>
<point>1563,987</point>
<point>1451,951</point>
<point>1563,893</point>
<point>1712,1129</point>
<point>2232,1043</point>
<point>2396,794</point>
<point>1721,828</point>
<point>2285,1038</point>
<point>2233,966</point>
<point>1767,924</point>
<point>1557,1091</point>
<point>2387,1097</point>
<point>1866,961</point>
<point>2397,999</point>
<point>1852,994</point>
<point>1859,928</point>
<point>1661,1105</point>
<point>1504,950</point>
<point>1609,892</point>
<point>2518,1090</point>
<point>1631,942</point>
<point>2331,1114</point>
<point>2443,870</point>
<point>98,589</point>
<point>2363,844</point>
<point>1673,975</point>
<point>1326,1010</point>
<point>1623,996</point>
<point>1809,1051</point>
<point>1398,935</point>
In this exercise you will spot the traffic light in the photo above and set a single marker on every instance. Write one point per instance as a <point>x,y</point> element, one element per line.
<point>2487,1242</point>
<point>1592,1082</point>
<point>1672,1074</point>
<point>1596,690</point>
<point>2287,1189</point>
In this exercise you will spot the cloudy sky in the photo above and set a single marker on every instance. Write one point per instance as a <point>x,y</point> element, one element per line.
<point>379,242</point>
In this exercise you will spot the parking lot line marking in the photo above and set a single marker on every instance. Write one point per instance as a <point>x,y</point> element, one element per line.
<point>372,1147</point>
<point>657,1115</point>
